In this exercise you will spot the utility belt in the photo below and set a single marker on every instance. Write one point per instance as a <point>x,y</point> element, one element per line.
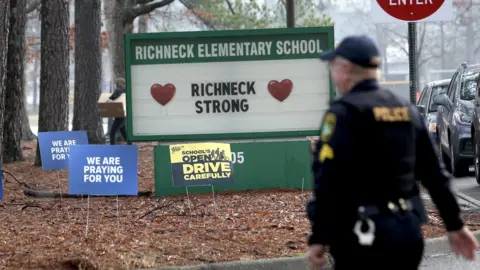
<point>366,212</point>
<point>389,207</point>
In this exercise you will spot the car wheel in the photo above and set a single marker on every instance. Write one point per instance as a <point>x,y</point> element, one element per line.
<point>458,168</point>
<point>476,163</point>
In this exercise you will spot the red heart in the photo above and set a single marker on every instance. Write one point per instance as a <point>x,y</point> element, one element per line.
<point>163,94</point>
<point>280,90</point>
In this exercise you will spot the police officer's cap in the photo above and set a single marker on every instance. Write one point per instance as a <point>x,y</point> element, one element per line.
<point>360,50</point>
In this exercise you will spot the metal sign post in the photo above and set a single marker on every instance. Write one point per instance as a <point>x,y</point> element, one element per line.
<point>412,60</point>
<point>290,7</point>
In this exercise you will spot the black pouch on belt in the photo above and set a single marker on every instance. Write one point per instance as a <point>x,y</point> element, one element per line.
<point>395,222</point>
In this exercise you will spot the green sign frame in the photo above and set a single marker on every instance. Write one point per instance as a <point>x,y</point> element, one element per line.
<point>262,165</point>
<point>325,33</point>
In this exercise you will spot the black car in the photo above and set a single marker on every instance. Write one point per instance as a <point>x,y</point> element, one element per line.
<point>454,120</point>
<point>426,106</point>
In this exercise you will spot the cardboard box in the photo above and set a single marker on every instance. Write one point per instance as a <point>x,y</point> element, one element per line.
<point>115,108</point>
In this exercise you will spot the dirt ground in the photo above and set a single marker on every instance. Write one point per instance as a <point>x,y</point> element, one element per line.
<point>142,232</point>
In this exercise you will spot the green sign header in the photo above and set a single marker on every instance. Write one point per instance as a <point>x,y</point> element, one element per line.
<point>147,49</point>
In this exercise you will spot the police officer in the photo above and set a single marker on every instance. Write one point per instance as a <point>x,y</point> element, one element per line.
<point>372,148</point>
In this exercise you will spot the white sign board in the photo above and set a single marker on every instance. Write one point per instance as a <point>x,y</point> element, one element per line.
<point>391,11</point>
<point>227,84</point>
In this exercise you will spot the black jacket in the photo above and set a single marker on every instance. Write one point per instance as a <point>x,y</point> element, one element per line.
<point>373,148</point>
<point>117,93</point>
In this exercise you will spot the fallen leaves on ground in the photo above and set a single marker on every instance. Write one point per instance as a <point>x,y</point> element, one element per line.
<point>143,232</point>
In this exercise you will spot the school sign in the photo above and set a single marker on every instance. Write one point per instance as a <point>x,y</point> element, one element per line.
<point>226,84</point>
<point>231,85</point>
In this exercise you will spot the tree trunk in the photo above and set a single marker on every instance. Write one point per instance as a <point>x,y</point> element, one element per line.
<point>119,27</point>
<point>4,29</point>
<point>109,9</point>
<point>470,38</point>
<point>142,24</point>
<point>442,45</point>
<point>116,39</point>
<point>454,45</point>
<point>88,69</point>
<point>383,44</point>
<point>54,70</point>
<point>121,14</point>
<point>15,94</point>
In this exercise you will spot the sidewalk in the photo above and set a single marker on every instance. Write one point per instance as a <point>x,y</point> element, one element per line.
<point>449,262</point>
<point>437,256</point>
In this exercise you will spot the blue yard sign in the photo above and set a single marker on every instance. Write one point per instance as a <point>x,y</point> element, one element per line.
<point>103,170</point>
<point>55,147</point>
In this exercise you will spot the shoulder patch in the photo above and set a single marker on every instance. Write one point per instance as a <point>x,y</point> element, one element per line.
<point>328,127</point>
<point>325,153</point>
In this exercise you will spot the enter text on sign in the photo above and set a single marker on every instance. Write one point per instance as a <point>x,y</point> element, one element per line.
<point>409,2</point>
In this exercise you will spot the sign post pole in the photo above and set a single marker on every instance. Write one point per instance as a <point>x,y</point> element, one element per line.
<point>412,60</point>
<point>290,7</point>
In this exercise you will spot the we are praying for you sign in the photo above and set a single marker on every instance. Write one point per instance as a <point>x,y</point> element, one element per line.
<point>103,170</point>
<point>55,147</point>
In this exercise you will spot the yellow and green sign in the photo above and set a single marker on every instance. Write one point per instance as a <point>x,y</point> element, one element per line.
<point>201,164</point>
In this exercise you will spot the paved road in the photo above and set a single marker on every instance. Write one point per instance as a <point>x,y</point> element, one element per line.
<point>468,186</point>
<point>449,261</point>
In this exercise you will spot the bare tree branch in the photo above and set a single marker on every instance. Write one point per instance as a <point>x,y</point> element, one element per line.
<point>465,10</point>
<point>399,45</point>
<point>427,49</point>
<point>230,7</point>
<point>425,60</point>
<point>143,2</point>
<point>421,41</point>
<point>476,49</point>
<point>390,31</point>
<point>33,5</point>
<point>145,9</point>
<point>205,21</point>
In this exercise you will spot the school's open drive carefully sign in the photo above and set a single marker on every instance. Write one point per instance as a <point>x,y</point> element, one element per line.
<point>226,84</point>
<point>201,164</point>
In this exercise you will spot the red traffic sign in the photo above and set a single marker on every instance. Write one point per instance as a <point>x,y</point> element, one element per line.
<point>410,10</point>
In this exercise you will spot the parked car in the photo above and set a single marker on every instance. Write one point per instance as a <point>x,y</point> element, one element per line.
<point>475,127</point>
<point>427,107</point>
<point>454,120</point>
